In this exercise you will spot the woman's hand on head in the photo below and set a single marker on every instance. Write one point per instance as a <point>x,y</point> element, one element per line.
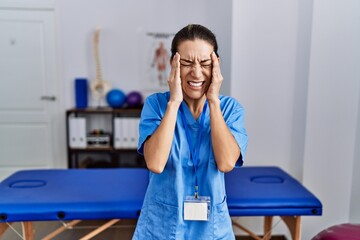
<point>174,81</point>
<point>216,79</point>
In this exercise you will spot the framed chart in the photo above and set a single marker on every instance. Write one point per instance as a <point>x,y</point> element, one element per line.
<point>155,60</point>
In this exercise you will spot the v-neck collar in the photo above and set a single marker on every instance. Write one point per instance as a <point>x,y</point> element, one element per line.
<point>189,116</point>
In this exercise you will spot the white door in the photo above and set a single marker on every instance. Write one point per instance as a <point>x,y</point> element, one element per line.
<point>29,106</point>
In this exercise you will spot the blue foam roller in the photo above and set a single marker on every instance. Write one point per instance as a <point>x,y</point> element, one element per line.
<point>81,93</point>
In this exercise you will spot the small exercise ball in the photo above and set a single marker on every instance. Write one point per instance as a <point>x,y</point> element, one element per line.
<point>116,98</point>
<point>134,99</point>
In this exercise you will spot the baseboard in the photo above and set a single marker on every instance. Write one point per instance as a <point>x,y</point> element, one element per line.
<point>273,237</point>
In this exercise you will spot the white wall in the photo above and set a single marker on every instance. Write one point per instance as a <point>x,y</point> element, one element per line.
<point>264,63</point>
<point>263,76</point>
<point>355,190</point>
<point>332,110</point>
<point>295,68</point>
<point>122,24</point>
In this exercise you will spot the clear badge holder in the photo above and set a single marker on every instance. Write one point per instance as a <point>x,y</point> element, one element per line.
<point>197,208</point>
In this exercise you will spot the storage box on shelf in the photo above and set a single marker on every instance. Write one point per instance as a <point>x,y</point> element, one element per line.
<point>103,137</point>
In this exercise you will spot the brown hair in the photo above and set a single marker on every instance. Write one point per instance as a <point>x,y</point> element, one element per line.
<point>192,32</point>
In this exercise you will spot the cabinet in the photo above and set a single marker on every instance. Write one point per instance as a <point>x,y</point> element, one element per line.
<point>103,138</point>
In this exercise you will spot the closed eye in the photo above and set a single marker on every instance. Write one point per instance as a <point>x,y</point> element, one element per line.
<point>204,63</point>
<point>186,63</point>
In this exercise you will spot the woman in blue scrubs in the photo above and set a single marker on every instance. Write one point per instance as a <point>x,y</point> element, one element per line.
<point>190,136</point>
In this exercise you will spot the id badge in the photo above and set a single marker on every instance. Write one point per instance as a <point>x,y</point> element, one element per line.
<point>197,209</point>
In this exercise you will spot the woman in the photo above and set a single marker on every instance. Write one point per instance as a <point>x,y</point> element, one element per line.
<point>190,136</point>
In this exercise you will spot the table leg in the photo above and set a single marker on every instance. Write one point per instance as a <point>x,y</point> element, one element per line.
<point>267,227</point>
<point>28,230</point>
<point>3,227</point>
<point>294,226</point>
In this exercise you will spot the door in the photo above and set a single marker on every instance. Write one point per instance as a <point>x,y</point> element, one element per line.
<point>29,108</point>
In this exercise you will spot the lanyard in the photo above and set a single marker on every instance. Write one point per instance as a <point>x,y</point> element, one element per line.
<point>194,153</point>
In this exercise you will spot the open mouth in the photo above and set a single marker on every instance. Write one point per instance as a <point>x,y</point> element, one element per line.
<point>196,84</point>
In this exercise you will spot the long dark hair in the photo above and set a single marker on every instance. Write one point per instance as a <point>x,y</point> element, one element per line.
<point>192,32</point>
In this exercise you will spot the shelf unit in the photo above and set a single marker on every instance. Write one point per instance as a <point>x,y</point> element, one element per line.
<point>85,156</point>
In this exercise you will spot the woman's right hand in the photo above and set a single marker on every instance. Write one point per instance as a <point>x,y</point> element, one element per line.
<point>174,81</point>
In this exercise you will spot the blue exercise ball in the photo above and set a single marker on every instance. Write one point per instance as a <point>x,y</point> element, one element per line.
<point>134,99</point>
<point>116,98</point>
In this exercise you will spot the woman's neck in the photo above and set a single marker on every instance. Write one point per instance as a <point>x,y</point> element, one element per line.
<point>196,106</point>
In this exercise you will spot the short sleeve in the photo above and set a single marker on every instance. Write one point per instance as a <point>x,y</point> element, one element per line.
<point>151,116</point>
<point>234,115</point>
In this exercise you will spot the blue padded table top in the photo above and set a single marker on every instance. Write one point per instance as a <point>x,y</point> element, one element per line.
<point>40,195</point>
<point>268,191</point>
<point>37,195</point>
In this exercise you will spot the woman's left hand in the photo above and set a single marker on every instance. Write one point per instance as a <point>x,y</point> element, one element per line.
<point>216,79</point>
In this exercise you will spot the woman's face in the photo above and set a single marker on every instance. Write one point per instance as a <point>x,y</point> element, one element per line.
<point>195,68</point>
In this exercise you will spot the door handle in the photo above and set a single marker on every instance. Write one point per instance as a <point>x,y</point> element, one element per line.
<point>48,98</point>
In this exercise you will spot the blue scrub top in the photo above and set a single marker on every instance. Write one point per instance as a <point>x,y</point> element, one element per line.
<point>162,212</point>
